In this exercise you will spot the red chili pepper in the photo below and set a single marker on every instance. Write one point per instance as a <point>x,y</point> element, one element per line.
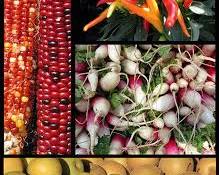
<point>182,23</point>
<point>187,3</point>
<point>146,25</point>
<point>100,2</point>
<point>172,9</point>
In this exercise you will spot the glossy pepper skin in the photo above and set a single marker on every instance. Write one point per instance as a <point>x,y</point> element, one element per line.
<point>187,3</point>
<point>54,78</point>
<point>172,9</point>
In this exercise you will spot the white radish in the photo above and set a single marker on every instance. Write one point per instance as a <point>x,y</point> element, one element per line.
<point>192,98</point>
<point>101,106</point>
<point>176,67</point>
<point>158,123</point>
<point>170,119</point>
<point>209,102</point>
<point>209,88</point>
<point>132,148</point>
<point>201,76</point>
<point>114,52</point>
<point>93,125</point>
<point>145,46</point>
<point>182,83</point>
<point>198,59</point>
<point>168,76</point>
<point>159,151</point>
<point>201,125</point>
<point>206,116</point>
<point>139,118</point>
<point>104,130</point>
<point>160,89</point>
<point>83,140</point>
<point>132,53</point>
<point>118,111</point>
<point>101,52</point>
<point>194,85</point>
<point>174,87</point>
<point>164,103</point>
<point>164,135</point>
<point>146,133</point>
<point>192,119</point>
<point>116,145</point>
<point>130,67</point>
<point>189,72</point>
<point>115,67</point>
<point>88,91</point>
<point>184,111</point>
<point>208,49</point>
<point>150,151</point>
<point>93,79</point>
<point>82,105</point>
<point>81,151</point>
<point>109,81</point>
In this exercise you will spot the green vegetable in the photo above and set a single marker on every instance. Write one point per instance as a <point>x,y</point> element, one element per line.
<point>82,56</point>
<point>102,148</point>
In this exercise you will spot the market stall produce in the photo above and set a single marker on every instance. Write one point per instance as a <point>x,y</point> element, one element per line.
<point>110,166</point>
<point>145,99</point>
<point>37,77</point>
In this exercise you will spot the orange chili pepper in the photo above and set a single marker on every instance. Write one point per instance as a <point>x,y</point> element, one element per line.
<point>182,23</point>
<point>152,4</point>
<point>96,21</point>
<point>144,13</point>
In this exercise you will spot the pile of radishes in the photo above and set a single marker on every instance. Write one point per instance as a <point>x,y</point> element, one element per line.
<point>147,91</point>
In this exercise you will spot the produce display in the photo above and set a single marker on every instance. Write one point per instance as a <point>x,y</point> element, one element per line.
<point>145,99</point>
<point>142,20</point>
<point>110,166</point>
<point>37,77</point>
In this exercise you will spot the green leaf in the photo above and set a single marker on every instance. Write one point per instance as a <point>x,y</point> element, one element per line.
<point>115,100</point>
<point>81,56</point>
<point>164,50</point>
<point>195,30</point>
<point>102,148</point>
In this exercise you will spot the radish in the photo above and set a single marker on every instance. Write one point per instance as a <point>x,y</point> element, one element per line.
<point>82,47</point>
<point>101,52</point>
<point>145,46</point>
<point>164,134</point>
<point>206,116</point>
<point>81,151</point>
<point>198,59</point>
<point>190,48</point>
<point>136,87</point>
<point>192,99</point>
<point>122,85</point>
<point>79,77</point>
<point>146,133</point>
<point>171,147</point>
<point>201,76</point>
<point>150,151</point>
<point>169,79</point>
<point>101,106</point>
<point>114,52</point>
<point>116,121</point>
<point>184,111</point>
<point>109,81</point>
<point>88,93</point>
<point>209,88</point>
<point>159,151</point>
<point>117,143</point>
<point>118,111</point>
<point>130,67</point>
<point>132,148</point>
<point>104,130</point>
<point>93,125</point>
<point>80,66</point>
<point>115,67</point>
<point>158,123</point>
<point>170,119</point>
<point>139,118</point>
<point>209,102</point>
<point>132,53</point>
<point>79,124</point>
<point>211,71</point>
<point>83,140</point>
<point>93,79</point>
<point>176,67</point>
<point>201,125</point>
<point>163,103</point>
<point>189,72</point>
<point>208,49</point>
<point>82,105</point>
<point>192,119</point>
<point>182,83</point>
<point>194,85</point>
<point>160,89</point>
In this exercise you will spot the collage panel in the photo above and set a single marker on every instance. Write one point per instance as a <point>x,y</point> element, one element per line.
<point>110,166</point>
<point>37,77</point>
<point>146,20</point>
<point>134,99</point>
